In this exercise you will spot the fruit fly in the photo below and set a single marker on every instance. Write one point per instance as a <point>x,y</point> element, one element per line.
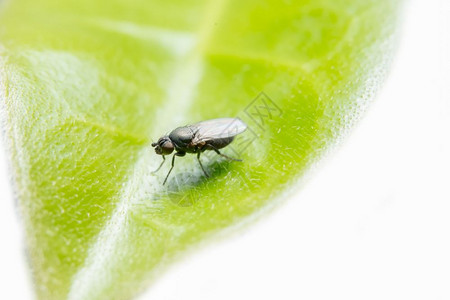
<point>212,134</point>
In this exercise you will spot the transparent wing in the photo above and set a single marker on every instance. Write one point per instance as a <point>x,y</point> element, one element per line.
<point>218,128</point>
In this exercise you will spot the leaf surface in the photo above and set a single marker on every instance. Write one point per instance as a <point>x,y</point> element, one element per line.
<point>86,86</point>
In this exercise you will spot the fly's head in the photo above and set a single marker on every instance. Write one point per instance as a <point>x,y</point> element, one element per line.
<point>163,146</point>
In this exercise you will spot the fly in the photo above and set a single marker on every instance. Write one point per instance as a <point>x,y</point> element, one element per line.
<point>212,134</point>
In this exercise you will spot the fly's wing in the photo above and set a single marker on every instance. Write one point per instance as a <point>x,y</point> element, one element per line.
<point>217,129</point>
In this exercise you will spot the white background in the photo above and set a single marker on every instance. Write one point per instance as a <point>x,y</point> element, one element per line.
<point>372,223</point>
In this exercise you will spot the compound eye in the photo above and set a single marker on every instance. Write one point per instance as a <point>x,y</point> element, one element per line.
<point>167,147</point>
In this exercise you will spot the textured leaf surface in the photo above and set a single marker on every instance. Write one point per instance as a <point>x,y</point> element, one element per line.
<point>86,85</point>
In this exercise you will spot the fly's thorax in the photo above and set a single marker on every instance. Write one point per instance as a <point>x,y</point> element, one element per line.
<point>181,137</point>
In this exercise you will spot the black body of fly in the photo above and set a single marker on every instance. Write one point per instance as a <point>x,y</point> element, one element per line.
<point>213,135</point>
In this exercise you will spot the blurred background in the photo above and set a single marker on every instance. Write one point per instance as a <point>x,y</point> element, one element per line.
<point>371,223</point>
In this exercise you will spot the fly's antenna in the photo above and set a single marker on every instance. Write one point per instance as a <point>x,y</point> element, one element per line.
<point>153,143</point>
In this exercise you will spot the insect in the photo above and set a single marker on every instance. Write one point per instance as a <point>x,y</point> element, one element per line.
<point>212,134</point>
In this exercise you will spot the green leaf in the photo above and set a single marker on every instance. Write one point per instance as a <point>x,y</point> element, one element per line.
<point>87,85</point>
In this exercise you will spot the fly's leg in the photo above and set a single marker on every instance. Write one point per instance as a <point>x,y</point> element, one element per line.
<point>199,161</point>
<point>173,163</point>
<point>164,159</point>
<point>223,155</point>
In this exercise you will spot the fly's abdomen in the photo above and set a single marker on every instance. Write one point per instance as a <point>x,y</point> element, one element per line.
<point>219,143</point>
